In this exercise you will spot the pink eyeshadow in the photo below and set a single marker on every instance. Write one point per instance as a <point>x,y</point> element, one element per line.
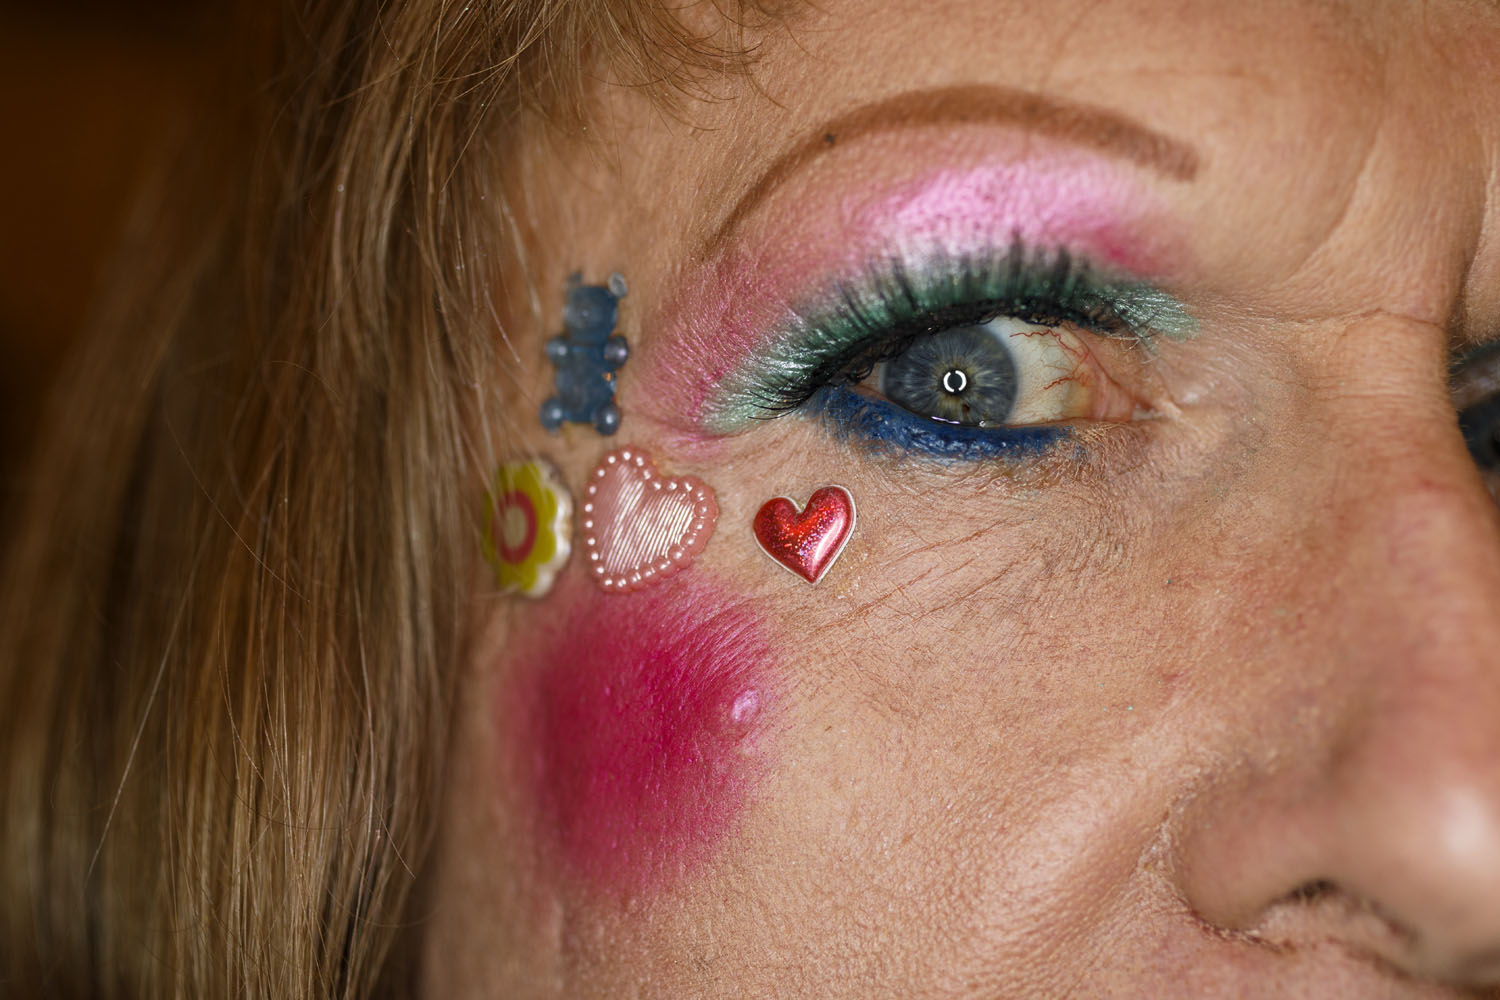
<point>717,317</point>
<point>639,714</point>
<point>1079,204</point>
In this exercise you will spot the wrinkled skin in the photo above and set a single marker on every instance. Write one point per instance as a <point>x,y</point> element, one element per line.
<point>1215,712</point>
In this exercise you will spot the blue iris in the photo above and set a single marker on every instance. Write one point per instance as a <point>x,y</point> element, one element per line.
<point>963,376</point>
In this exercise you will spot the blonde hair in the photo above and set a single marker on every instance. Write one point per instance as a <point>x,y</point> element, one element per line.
<point>235,595</point>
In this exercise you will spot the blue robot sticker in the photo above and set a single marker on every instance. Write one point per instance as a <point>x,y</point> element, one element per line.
<point>586,356</point>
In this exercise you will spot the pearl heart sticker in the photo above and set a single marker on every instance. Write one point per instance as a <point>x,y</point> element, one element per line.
<point>809,541</point>
<point>639,527</point>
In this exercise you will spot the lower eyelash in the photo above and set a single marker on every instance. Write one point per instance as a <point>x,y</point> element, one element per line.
<point>878,424</point>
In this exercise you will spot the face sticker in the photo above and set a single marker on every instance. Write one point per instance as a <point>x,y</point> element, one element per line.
<point>528,536</point>
<point>808,541</point>
<point>640,527</point>
<point>587,355</point>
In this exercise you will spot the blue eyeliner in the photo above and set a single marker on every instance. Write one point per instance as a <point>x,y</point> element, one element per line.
<point>877,424</point>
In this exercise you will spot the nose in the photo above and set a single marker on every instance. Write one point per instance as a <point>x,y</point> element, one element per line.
<point>1360,802</point>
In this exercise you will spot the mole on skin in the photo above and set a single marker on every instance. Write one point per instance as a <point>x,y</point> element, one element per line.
<point>639,715</point>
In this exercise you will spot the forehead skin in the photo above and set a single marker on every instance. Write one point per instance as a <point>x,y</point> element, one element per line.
<point>1056,736</point>
<point>1351,92</point>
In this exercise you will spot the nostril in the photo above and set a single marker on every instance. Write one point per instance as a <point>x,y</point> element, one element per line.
<point>1330,905</point>
<point>1320,913</point>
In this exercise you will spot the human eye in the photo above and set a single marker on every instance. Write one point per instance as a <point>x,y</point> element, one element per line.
<point>1475,382</point>
<point>982,356</point>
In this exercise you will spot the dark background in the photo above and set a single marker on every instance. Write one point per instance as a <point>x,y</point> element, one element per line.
<point>89,91</point>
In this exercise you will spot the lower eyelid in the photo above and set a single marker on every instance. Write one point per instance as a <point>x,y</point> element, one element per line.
<point>882,426</point>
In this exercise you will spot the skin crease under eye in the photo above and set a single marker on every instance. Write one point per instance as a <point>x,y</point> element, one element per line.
<point>640,715</point>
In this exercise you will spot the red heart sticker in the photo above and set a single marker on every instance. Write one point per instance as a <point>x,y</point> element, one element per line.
<point>808,541</point>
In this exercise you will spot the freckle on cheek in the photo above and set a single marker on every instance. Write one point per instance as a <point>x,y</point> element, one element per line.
<point>639,715</point>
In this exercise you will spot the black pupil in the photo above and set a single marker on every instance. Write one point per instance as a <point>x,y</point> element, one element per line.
<point>962,376</point>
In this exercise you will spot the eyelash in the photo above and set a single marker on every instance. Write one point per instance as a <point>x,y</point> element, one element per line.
<point>892,309</point>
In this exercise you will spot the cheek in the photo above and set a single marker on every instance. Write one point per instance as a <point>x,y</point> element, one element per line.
<point>638,717</point>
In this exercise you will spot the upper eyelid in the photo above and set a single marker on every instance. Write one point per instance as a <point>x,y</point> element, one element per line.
<point>1045,286</point>
<point>985,313</point>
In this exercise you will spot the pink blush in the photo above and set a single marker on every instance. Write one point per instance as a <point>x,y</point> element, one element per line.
<point>639,715</point>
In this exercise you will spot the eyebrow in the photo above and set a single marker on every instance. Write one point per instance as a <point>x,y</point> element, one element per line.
<point>1084,125</point>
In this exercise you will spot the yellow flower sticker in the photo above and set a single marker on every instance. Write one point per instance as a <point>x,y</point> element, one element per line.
<point>528,536</point>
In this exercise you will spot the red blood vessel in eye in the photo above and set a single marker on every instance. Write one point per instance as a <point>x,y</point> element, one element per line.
<point>640,715</point>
